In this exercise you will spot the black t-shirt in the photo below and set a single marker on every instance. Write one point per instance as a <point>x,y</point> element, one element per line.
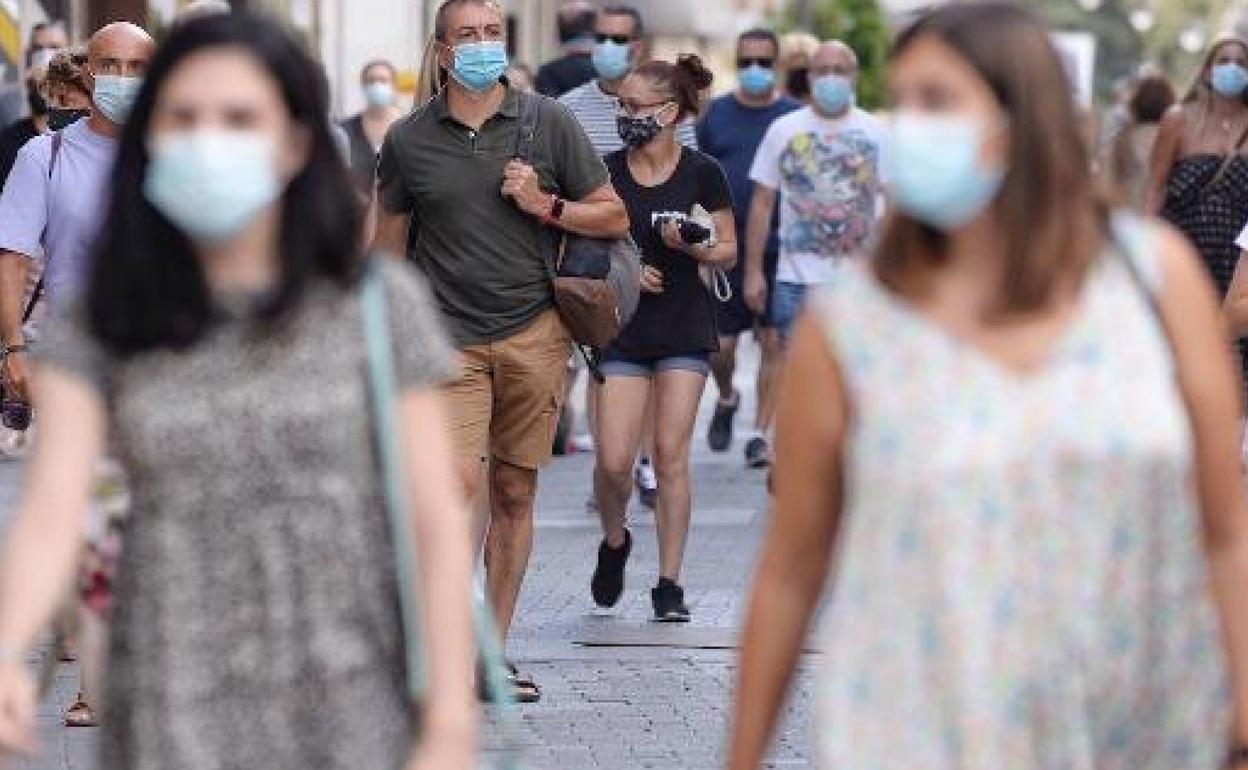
<point>681,320</point>
<point>13,139</point>
<point>556,78</point>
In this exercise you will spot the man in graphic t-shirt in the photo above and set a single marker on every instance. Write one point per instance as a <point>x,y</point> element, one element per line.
<point>826,163</point>
<point>731,131</point>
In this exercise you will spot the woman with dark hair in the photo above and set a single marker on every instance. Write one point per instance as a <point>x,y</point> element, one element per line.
<point>1151,98</point>
<point>256,614</point>
<point>1015,430</point>
<point>681,213</point>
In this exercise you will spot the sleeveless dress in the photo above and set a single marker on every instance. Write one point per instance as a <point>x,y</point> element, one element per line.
<point>1211,215</point>
<point>1020,581</point>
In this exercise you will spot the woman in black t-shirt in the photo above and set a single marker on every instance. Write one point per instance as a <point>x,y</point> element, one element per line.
<point>664,351</point>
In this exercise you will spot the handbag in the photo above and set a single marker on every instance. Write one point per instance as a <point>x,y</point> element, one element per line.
<point>596,281</point>
<point>383,398</point>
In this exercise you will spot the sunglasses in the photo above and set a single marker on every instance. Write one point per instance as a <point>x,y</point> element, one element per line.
<point>745,62</point>
<point>617,39</point>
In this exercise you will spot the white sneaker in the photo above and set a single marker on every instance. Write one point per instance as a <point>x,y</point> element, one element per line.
<point>582,442</point>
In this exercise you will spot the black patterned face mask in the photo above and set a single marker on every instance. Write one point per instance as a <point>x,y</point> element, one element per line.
<point>637,132</point>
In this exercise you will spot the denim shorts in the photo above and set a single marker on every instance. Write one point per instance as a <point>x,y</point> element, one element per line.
<point>617,365</point>
<point>786,306</point>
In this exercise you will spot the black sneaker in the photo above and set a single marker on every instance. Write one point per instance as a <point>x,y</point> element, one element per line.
<point>669,602</point>
<point>719,436</point>
<point>607,584</point>
<point>647,484</point>
<point>757,453</point>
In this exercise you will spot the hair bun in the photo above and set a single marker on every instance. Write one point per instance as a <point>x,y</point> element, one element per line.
<point>695,68</point>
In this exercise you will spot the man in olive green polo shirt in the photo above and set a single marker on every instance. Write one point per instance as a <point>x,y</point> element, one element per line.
<point>450,167</point>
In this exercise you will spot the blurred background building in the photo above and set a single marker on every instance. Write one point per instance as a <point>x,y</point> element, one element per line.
<point>347,33</point>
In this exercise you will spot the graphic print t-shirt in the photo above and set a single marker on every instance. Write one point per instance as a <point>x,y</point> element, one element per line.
<point>829,174</point>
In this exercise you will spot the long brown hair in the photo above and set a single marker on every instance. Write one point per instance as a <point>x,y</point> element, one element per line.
<point>1048,205</point>
<point>1201,91</point>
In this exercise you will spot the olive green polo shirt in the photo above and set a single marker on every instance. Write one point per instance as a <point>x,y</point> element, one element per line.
<point>482,255</point>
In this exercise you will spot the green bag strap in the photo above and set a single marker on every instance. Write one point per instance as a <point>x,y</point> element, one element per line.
<point>383,396</point>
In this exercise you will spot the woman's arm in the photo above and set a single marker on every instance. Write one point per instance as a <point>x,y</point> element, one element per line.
<point>798,550</point>
<point>42,548</point>
<point>1166,151</point>
<point>1210,389</point>
<point>723,254</point>
<point>1235,306</point>
<point>444,553</point>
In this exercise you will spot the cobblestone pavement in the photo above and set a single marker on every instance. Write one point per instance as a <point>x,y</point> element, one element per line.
<point>619,691</point>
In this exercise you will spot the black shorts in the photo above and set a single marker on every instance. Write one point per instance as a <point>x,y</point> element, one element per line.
<point>734,317</point>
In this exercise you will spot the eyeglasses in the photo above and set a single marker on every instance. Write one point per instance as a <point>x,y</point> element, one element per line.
<point>633,108</point>
<point>617,39</point>
<point>745,62</point>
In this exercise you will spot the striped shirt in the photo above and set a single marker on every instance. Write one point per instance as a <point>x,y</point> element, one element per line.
<point>596,110</point>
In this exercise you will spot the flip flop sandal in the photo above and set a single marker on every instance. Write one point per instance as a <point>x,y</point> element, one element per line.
<point>80,714</point>
<point>524,689</point>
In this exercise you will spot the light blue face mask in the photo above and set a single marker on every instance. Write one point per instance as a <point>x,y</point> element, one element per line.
<point>757,80</point>
<point>935,172</point>
<point>833,94</point>
<point>1229,80</point>
<point>114,95</point>
<point>379,94</point>
<point>612,61</point>
<point>478,66</point>
<point>211,183</point>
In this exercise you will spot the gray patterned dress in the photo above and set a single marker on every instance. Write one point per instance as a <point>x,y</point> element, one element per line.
<point>256,620</point>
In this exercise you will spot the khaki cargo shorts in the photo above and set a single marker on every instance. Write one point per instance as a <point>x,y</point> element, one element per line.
<point>505,403</point>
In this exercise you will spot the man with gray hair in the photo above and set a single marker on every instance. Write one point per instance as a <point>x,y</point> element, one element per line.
<point>825,162</point>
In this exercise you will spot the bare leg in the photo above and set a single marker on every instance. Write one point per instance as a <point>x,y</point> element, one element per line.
<point>723,367</point>
<point>769,369</point>
<point>509,542</point>
<point>620,423</point>
<point>677,394</point>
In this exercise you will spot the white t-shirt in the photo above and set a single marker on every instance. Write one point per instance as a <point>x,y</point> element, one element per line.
<point>830,175</point>
<point>58,216</point>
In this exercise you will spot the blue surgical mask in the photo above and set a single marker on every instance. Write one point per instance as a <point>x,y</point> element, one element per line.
<point>211,183</point>
<point>833,94</point>
<point>1229,80</point>
<point>612,61</point>
<point>379,94</point>
<point>936,174</point>
<point>114,95</point>
<point>478,66</point>
<point>757,80</point>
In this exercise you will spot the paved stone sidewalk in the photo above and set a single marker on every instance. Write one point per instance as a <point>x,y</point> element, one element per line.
<point>620,692</point>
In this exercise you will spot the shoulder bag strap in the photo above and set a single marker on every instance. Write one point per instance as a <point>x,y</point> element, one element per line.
<point>1226,163</point>
<point>383,401</point>
<point>58,140</point>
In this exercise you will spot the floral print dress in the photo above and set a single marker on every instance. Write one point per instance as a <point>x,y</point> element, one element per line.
<point>1020,582</point>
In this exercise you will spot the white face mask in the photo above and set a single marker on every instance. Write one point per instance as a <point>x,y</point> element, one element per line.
<point>379,94</point>
<point>211,183</point>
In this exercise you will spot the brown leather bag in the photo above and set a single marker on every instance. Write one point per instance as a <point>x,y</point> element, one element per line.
<point>596,281</point>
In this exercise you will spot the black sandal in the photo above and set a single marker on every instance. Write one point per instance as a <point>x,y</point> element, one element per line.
<point>523,689</point>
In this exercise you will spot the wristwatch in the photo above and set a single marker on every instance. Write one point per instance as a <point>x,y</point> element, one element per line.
<point>556,210</point>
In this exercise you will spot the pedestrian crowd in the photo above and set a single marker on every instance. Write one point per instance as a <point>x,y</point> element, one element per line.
<point>292,379</point>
